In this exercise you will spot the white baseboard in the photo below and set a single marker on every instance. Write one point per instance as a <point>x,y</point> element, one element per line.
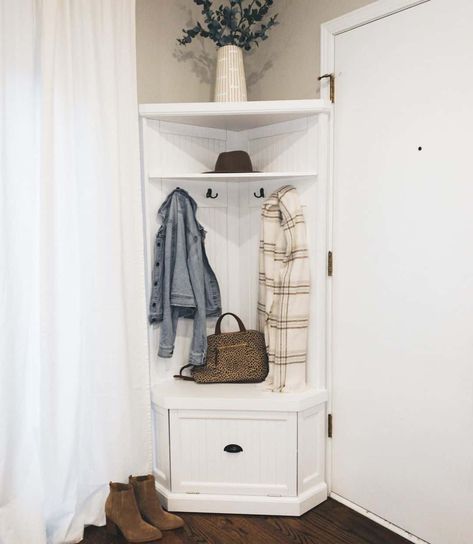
<point>243,504</point>
<point>378,520</point>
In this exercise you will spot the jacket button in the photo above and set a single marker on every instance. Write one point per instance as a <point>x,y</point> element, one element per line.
<point>155,283</point>
<point>157,264</point>
<point>159,244</point>
<point>154,304</point>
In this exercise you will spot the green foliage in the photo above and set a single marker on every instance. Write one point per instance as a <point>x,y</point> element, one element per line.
<point>232,24</point>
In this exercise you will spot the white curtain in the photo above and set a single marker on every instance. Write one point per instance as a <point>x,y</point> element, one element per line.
<point>74,387</point>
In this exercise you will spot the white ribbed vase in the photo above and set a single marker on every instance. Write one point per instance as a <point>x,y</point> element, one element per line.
<point>230,82</point>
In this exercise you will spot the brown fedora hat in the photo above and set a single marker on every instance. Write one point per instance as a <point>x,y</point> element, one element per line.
<point>232,162</point>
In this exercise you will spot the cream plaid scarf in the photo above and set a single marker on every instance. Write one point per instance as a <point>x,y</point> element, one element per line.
<point>284,287</point>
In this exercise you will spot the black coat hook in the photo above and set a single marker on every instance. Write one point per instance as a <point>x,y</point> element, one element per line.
<point>261,193</point>
<point>209,194</point>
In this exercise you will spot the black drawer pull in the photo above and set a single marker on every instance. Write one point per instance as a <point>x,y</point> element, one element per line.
<point>233,448</point>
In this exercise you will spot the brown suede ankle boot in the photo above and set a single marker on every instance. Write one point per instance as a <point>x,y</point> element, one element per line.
<point>149,505</point>
<point>121,511</point>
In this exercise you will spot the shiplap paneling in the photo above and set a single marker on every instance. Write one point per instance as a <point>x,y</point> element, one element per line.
<point>266,466</point>
<point>289,146</point>
<point>183,149</point>
<point>232,220</point>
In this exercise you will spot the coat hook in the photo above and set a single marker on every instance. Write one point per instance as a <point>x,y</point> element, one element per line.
<point>261,193</point>
<point>209,194</point>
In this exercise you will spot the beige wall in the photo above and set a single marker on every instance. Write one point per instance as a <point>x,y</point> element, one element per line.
<point>283,67</point>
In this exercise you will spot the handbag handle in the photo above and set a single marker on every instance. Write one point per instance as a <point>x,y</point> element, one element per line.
<point>218,329</point>
<point>181,376</point>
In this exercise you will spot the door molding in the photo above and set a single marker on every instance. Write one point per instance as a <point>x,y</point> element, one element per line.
<point>328,32</point>
<point>367,14</point>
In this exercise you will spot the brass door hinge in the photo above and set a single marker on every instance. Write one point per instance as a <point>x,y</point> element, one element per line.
<point>329,425</point>
<point>332,85</point>
<point>330,264</point>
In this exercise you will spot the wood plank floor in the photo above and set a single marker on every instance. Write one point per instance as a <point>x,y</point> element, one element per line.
<point>329,523</point>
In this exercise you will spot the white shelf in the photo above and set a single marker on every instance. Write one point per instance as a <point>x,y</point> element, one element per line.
<point>234,115</point>
<point>178,394</point>
<point>247,176</point>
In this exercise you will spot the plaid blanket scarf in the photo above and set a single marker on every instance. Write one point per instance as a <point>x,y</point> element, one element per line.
<point>284,287</point>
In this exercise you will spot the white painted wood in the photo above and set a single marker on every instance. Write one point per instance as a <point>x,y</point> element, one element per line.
<point>234,115</point>
<point>243,504</point>
<point>250,176</point>
<point>161,460</point>
<point>233,224</point>
<point>197,188</point>
<point>235,302</point>
<point>182,151</point>
<point>289,148</point>
<point>266,466</point>
<point>318,217</point>
<point>311,456</point>
<point>403,276</point>
<point>289,143</point>
<point>181,129</point>
<point>177,394</point>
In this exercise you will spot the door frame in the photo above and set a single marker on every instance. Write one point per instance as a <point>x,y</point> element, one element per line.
<point>328,32</point>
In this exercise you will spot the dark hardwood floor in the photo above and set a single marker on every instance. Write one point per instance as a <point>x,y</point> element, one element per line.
<point>329,523</point>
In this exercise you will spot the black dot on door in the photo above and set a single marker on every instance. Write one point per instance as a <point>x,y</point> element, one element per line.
<point>419,148</point>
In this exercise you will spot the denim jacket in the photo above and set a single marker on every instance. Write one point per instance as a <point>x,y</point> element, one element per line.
<point>184,285</point>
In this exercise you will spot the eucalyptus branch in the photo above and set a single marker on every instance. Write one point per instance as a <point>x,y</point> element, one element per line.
<point>232,24</point>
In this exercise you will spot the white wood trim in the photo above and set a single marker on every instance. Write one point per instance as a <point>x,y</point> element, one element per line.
<point>368,14</point>
<point>234,115</point>
<point>243,504</point>
<point>328,299</point>
<point>362,16</point>
<point>240,176</point>
<point>311,439</point>
<point>261,107</point>
<point>378,519</point>
<point>184,395</point>
<point>161,457</point>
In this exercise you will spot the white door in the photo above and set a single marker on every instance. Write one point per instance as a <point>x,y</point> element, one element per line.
<point>403,270</point>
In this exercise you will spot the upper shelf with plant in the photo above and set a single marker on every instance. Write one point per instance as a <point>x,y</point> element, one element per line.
<point>239,23</point>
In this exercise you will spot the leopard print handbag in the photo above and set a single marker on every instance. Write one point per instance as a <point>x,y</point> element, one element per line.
<point>233,357</point>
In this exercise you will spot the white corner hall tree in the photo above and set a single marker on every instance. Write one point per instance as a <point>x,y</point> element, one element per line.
<point>280,468</point>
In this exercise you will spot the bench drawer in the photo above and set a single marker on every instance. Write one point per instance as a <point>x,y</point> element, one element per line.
<point>234,452</point>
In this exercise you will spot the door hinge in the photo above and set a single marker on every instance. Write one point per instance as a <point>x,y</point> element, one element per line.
<point>330,264</point>
<point>329,425</point>
<point>332,85</point>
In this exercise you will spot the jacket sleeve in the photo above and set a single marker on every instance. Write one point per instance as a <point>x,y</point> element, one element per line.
<point>177,291</point>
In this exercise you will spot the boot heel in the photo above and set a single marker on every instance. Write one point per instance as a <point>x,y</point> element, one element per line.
<point>112,529</point>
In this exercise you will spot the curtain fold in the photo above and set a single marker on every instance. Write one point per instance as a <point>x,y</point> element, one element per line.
<point>74,383</point>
